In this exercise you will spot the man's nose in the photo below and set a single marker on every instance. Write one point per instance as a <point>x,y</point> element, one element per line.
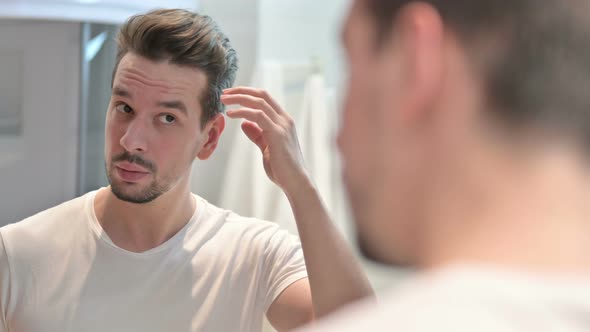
<point>135,137</point>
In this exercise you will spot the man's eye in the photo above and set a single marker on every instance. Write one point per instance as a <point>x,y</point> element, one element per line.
<point>167,118</point>
<point>124,108</point>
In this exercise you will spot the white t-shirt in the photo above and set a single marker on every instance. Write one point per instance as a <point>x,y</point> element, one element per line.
<point>59,271</point>
<point>472,299</point>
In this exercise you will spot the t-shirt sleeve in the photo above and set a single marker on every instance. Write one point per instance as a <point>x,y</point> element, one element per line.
<point>283,265</point>
<point>4,285</point>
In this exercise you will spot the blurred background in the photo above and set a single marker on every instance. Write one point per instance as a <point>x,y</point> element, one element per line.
<point>56,61</point>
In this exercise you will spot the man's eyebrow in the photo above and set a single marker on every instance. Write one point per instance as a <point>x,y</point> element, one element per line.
<point>119,91</point>
<point>172,104</point>
<point>175,104</point>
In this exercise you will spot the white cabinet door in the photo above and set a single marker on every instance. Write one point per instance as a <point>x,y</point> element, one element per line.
<point>39,79</point>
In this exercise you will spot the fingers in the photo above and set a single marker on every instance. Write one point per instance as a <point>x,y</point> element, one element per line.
<point>266,122</point>
<point>250,102</point>
<point>254,133</point>
<point>256,116</point>
<point>258,93</point>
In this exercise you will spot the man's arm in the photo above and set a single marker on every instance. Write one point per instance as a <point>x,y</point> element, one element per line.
<point>293,308</point>
<point>335,275</point>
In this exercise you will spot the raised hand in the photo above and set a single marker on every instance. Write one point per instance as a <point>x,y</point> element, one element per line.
<point>273,131</point>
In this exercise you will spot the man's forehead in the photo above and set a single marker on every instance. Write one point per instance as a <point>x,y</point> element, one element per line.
<point>160,73</point>
<point>131,78</point>
<point>127,77</point>
<point>130,81</point>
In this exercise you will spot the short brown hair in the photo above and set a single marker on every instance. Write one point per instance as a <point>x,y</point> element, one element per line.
<point>187,39</point>
<point>538,73</point>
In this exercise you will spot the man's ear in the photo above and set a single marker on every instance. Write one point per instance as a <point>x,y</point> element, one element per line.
<point>213,130</point>
<point>419,31</point>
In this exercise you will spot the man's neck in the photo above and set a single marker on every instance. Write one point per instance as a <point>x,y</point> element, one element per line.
<point>531,217</point>
<point>140,227</point>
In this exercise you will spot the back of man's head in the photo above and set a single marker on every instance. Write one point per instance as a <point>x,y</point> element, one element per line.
<point>538,72</point>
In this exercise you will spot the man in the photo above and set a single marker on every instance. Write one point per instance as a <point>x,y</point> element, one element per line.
<point>145,254</point>
<point>465,138</point>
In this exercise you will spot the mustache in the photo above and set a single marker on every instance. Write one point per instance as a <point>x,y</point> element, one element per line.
<point>135,159</point>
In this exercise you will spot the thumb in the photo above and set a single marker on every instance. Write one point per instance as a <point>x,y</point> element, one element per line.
<point>254,133</point>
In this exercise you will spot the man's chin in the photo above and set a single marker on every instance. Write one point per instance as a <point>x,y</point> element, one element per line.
<point>134,195</point>
<point>372,252</point>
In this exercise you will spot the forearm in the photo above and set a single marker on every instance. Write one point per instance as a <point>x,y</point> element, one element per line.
<point>335,275</point>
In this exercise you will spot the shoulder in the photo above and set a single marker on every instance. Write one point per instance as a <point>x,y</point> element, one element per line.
<point>229,223</point>
<point>62,213</point>
<point>220,228</point>
<point>419,305</point>
<point>46,228</point>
